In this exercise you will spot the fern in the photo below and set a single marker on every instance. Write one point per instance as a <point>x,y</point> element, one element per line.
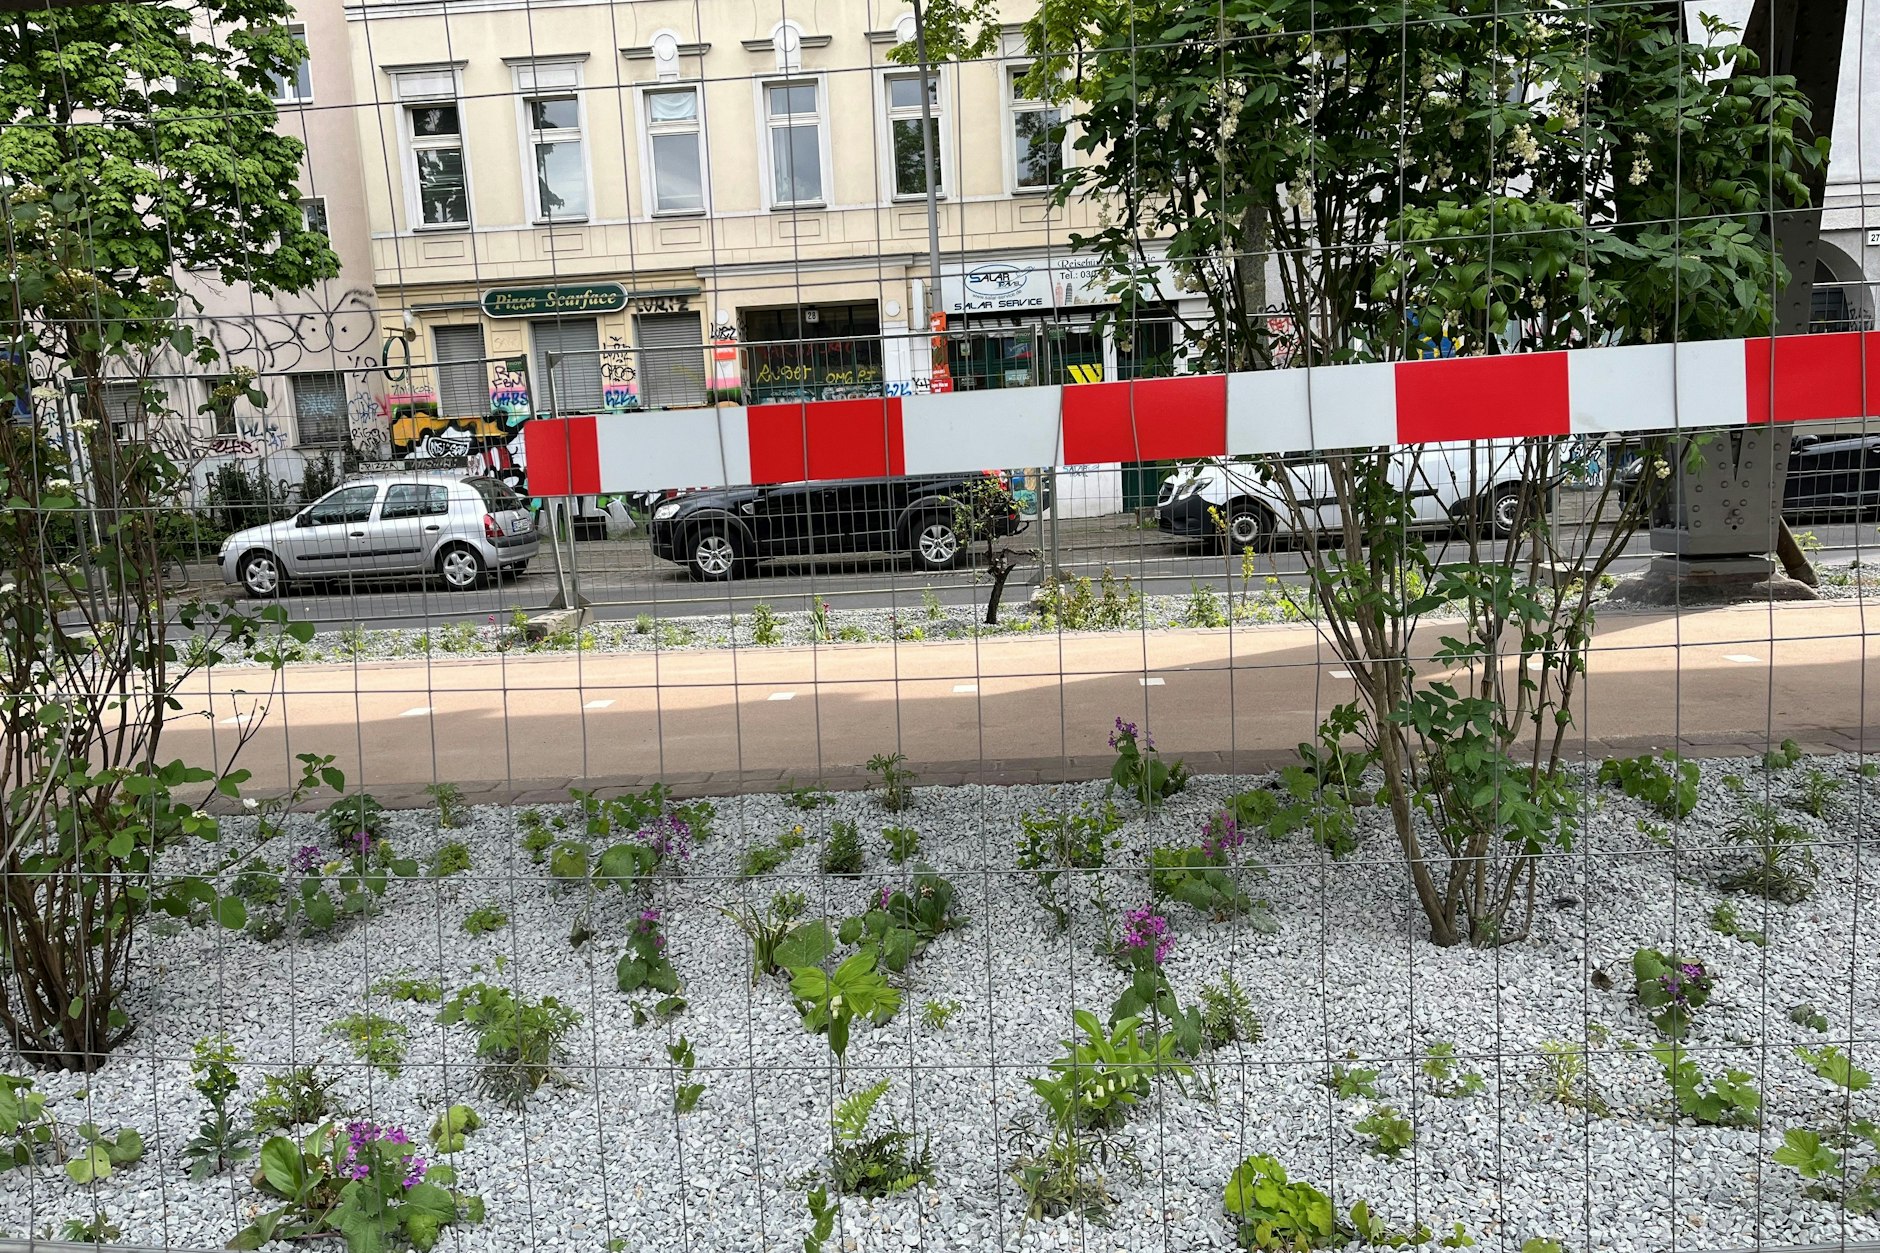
<point>879,1165</point>
<point>1227,1013</point>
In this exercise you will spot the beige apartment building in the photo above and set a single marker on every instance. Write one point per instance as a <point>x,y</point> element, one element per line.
<point>693,202</point>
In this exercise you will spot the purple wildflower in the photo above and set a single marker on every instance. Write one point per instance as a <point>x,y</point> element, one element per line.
<point>670,835</point>
<point>1145,930</point>
<point>885,894</point>
<point>304,859</point>
<point>1221,835</point>
<point>359,842</point>
<point>414,1171</point>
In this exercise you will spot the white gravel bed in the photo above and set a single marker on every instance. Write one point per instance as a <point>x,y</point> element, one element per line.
<point>1251,607</point>
<point>1348,972</point>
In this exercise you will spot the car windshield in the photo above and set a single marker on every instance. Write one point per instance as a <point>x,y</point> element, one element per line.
<point>497,496</point>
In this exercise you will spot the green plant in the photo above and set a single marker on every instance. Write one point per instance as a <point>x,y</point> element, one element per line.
<point>1806,1015</point>
<point>1729,1101</point>
<point>366,1186</point>
<point>1300,804</point>
<point>818,619</point>
<point>930,604</point>
<point>1817,793</point>
<point>452,858</point>
<point>1272,1212</point>
<point>349,817</point>
<point>880,1165</point>
<point>30,1135</point>
<point>485,918</point>
<point>220,1142</point>
<point>822,1218</point>
<point>935,1014</point>
<point>537,836</point>
<point>375,1039</point>
<point>1783,866</point>
<point>1673,988</point>
<point>897,785</point>
<point>1540,1244</point>
<point>1103,1074</point>
<point>98,1229</point>
<point>450,800</point>
<point>830,1002</point>
<point>760,859</point>
<point>686,1092</point>
<point>673,635</point>
<point>1836,1067</point>
<point>453,1129</point>
<point>1390,1132</point>
<point>1439,1067</point>
<point>807,798</point>
<point>518,1040</point>
<point>778,942</point>
<point>1227,1013</point>
<point>900,922</point>
<point>1351,1082</point>
<point>1667,784</point>
<point>297,1097</point>
<point>766,628</point>
<point>642,624</point>
<point>416,991</point>
<point>1782,757</point>
<point>1139,770</point>
<point>852,633</point>
<point>1567,1081</point>
<point>1193,877</point>
<point>1723,921</point>
<point>842,854</point>
<point>1204,606</point>
<point>903,843</point>
<point>1333,767</point>
<point>645,964</point>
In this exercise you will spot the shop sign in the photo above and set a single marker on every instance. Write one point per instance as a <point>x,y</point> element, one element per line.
<point>535,302</point>
<point>661,304</point>
<point>1034,285</point>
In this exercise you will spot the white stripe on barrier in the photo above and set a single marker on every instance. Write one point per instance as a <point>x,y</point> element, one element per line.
<point>673,448</point>
<point>1266,412</point>
<point>1350,406</point>
<point>1617,389</point>
<point>1005,429</point>
<point>1712,384</point>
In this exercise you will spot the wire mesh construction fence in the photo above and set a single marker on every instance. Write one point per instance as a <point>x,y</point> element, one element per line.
<point>569,685</point>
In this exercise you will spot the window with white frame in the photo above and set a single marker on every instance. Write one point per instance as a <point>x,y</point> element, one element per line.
<point>673,150</point>
<point>435,166</point>
<point>557,154</point>
<point>295,87</point>
<point>793,119</point>
<point>907,162</point>
<point>319,408</point>
<point>313,215</point>
<point>1037,129</point>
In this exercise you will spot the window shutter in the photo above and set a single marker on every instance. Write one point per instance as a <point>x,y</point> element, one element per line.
<point>672,360</point>
<point>578,373</point>
<point>463,391</point>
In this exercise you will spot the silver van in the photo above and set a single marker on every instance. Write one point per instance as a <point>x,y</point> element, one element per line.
<point>462,528</point>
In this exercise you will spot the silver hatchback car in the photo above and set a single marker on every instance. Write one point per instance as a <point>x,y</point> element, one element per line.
<point>461,528</point>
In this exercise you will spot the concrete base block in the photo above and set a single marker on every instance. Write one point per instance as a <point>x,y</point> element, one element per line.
<point>1710,581</point>
<point>555,622</point>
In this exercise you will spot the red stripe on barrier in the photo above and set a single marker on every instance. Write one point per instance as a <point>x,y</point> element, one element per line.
<point>564,456</point>
<point>1483,398</point>
<point>1145,419</point>
<point>827,439</point>
<point>1808,378</point>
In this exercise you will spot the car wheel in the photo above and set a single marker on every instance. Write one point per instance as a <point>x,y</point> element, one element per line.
<point>1507,509</point>
<point>714,556</point>
<point>935,544</point>
<point>261,575</point>
<point>1248,526</point>
<point>460,568</point>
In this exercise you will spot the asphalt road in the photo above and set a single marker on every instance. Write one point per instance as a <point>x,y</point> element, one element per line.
<point>622,580</point>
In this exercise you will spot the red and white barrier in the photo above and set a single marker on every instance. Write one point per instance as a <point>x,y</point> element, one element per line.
<point>1639,388</point>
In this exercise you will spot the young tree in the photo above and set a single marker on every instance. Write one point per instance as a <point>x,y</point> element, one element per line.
<point>1518,176</point>
<point>138,139</point>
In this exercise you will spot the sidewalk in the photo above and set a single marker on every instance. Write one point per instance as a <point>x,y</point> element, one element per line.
<point>1727,681</point>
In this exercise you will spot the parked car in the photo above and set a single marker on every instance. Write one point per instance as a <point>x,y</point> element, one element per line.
<point>1837,472</point>
<point>462,528</point>
<point>720,532</point>
<point>1446,484</point>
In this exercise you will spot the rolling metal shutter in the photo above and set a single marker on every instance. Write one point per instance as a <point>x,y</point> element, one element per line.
<point>463,391</point>
<point>672,360</point>
<point>578,373</point>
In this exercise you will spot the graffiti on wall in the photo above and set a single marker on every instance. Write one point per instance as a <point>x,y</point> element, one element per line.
<point>340,338</point>
<point>620,387</point>
<point>509,388</point>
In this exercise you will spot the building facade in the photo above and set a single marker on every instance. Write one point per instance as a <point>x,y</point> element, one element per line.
<point>594,207</point>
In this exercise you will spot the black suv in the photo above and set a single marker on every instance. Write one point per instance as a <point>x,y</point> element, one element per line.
<point>719,532</point>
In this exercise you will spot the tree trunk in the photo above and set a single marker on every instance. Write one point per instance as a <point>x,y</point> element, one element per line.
<point>1000,566</point>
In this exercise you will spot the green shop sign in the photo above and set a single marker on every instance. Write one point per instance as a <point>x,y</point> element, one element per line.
<point>535,302</point>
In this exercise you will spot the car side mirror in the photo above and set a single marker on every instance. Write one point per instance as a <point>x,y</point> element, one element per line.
<point>304,518</point>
